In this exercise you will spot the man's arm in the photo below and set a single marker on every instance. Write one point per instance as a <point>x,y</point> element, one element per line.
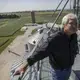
<point>39,54</point>
<point>44,50</point>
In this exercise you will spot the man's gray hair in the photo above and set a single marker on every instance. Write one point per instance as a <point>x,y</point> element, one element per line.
<point>66,18</point>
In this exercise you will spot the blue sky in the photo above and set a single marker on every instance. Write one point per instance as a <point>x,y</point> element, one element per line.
<point>24,5</point>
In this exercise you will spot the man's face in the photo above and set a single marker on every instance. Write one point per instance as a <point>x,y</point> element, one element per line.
<point>71,26</point>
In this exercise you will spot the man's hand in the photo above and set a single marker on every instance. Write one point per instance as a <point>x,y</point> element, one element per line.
<point>21,69</point>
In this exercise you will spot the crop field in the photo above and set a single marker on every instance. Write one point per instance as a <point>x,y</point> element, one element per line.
<point>10,28</point>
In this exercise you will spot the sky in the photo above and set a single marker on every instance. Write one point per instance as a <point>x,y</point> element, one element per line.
<point>28,5</point>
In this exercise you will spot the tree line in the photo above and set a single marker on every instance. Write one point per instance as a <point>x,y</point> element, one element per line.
<point>6,16</point>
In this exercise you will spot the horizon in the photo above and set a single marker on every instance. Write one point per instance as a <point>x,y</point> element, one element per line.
<point>32,10</point>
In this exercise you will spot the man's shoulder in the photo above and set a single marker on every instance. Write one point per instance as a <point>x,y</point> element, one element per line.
<point>55,35</point>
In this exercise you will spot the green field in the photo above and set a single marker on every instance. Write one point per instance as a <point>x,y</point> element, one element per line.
<point>3,41</point>
<point>10,28</point>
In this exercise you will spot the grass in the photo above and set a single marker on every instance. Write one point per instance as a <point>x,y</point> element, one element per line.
<point>9,26</point>
<point>47,17</point>
<point>12,26</point>
<point>6,44</point>
<point>3,41</point>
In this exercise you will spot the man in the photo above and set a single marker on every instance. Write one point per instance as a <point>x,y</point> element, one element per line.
<point>61,50</point>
